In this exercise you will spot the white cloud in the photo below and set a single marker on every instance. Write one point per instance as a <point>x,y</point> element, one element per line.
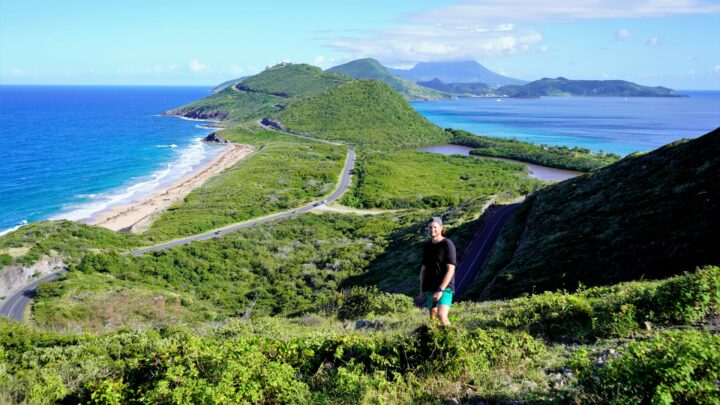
<point>174,67</point>
<point>717,68</point>
<point>18,73</point>
<point>544,49</point>
<point>196,66</point>
<point>236,69</point>
<point>483,11</point>
<point>319,61</point>
<point>653,41</point>
<point>407,45</point>
<point>622,34</point>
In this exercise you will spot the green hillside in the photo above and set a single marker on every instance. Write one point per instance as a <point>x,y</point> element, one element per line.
<point>646,216</point>
<point>461,89</point>
<point>563,87</point>
<point>291,80</point>
<point>369,68</point>
<point>362,112</point>
<point>261,95</point>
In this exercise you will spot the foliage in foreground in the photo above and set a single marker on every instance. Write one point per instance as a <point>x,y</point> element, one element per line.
<point>486,356</point>
<point>677,366</point>
<point>409,179</point>
<point>560,157</point>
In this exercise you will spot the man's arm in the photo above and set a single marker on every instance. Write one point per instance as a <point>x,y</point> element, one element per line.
<point>422,276</point>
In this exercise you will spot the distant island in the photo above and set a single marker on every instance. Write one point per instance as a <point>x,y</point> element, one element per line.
<point>564,87</point>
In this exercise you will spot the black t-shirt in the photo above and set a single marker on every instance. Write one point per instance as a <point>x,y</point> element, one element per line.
<point>436,257</point>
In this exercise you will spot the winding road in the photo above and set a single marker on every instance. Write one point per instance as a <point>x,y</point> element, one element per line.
<point>14,306</point>
<point>468,270</point>
<point>476,253</point>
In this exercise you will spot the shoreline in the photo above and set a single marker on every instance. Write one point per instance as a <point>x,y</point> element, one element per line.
<point>537,171</point>
<point>138,215</point>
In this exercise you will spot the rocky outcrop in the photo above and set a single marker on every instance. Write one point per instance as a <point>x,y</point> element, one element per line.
<point>215,138</point>
<point>13,278</point>
<point>271,122</point>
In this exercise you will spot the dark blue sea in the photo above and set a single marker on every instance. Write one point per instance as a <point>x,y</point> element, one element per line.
<point>72,151</point>
<point>611,124</point>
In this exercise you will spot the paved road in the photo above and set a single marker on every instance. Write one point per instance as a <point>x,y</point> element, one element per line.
<point>477,252</point>
<point>344,182</point>
<point>14,306</point>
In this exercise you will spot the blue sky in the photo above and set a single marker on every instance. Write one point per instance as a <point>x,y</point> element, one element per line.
<point>673,43</point>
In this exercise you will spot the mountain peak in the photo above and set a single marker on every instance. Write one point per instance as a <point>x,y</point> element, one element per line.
<point>466,71</point>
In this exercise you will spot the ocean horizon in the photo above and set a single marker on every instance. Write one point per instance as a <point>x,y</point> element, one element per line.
<point>74,151</point>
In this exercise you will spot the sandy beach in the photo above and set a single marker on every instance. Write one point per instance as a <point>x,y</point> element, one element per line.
<point>137,216</point>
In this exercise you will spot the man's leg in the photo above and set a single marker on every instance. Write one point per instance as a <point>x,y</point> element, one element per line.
<point>433,312</point>
<point>442,313</point>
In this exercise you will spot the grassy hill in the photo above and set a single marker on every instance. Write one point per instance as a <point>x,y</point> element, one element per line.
<point>261,95</point>
<point>646,216</point>
<point>362,112</point>
<point>563,87</point>
<point>369,68</point>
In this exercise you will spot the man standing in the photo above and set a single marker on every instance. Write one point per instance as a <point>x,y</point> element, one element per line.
<point>437,274</point>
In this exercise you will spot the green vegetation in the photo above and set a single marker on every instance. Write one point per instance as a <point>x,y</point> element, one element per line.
<point>646,216</point>
<point>291,266</point>
<point>231,104</point>
<point>291,80</point>
<point>461,89</point>
<point>69,239</point>
<point>677,366</point>
<point>369,68</point>
<point>261,95</point>
<point>409,179</point>
<point>100,302</point>
<point>563,87</point>
<point>561,157</point>
<point>487,356</point>
<point>364,113</point>
<point>278,177</point>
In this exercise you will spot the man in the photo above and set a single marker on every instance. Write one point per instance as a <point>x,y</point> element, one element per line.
<point>437,274</point>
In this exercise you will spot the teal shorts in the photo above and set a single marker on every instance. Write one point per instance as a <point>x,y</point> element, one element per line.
<point>445,298</point>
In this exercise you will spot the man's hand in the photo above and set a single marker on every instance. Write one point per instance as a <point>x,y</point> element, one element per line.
<point>437,295</point>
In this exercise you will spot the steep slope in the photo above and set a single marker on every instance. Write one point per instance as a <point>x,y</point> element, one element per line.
<point>646,216</point>
<point>456,72</point>
<point>225,84</point>
<point>369,68</point>
<point>564,87</point>
<point>461,89</point>
<point>263,94</point>
<point>362,112</point>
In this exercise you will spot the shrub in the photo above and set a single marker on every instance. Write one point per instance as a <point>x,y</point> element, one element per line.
<point>681,366</point>
<point>361,301</point>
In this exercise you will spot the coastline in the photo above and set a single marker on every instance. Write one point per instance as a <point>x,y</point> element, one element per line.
<point>138,215</point>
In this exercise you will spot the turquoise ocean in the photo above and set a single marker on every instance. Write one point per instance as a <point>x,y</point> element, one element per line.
<point>611,124</point>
